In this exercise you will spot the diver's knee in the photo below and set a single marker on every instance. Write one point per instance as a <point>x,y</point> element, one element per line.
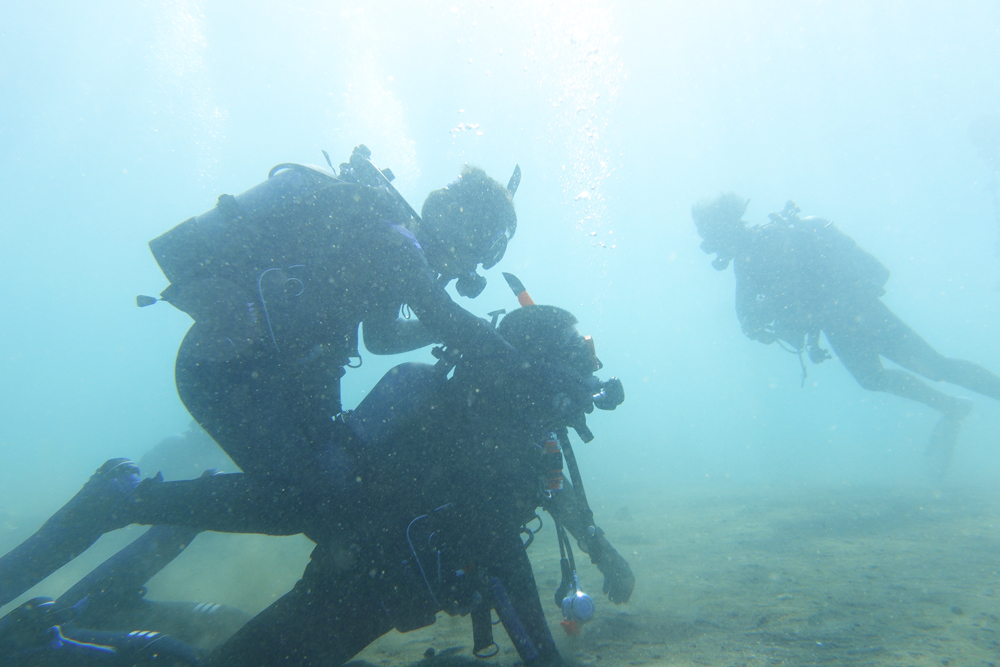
<point>871,381</point>
<point>941,368</point>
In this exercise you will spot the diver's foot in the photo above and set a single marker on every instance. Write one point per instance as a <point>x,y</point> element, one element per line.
<point>100,506</point>
<point>960,409</point>
<point>941,446</point>
<point>102,501</point>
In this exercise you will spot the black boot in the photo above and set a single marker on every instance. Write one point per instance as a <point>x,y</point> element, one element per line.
<point>941,446</point>
<point>97,508</point>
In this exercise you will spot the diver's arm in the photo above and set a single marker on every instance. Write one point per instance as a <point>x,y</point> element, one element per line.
<point>618,578</point>
<point>473,336</point>
<point>566,509</point>
<point>456,326</point>
<point>752,308</point>
<point>405,266</point>
<point>394,335</point>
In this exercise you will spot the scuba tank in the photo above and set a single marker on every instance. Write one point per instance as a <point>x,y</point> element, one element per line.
<point>224,235</point>
<point>832,253</point>
<point>215,261</point>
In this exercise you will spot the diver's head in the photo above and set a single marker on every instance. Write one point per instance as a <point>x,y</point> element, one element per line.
<point>548,334</point>
<point>720,225</point>
<point>466,224</point>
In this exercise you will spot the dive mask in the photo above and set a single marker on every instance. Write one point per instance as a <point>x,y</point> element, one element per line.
<point>492,255</point>
<point>581,354</point>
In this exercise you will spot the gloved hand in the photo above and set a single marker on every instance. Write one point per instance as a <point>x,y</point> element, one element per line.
<point>759,326</point>
<point>618,578</point>
<point>817,354</point>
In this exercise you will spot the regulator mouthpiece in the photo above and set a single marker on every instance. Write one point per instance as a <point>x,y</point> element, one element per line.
<point>720,263</point>
<point>470,285</point>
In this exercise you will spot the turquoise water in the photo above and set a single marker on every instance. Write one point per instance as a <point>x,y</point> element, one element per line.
<point>119,120</point>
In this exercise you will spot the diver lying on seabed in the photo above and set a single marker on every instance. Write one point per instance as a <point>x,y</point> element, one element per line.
<point>444,474</point>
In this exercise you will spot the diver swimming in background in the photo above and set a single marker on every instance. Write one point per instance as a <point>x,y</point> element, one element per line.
<point>796,277</point>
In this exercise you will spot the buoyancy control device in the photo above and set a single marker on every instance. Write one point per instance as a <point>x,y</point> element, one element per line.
<point>214,260</point>
<point>833,253</point>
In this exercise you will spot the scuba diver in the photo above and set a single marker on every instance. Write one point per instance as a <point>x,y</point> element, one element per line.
<point>279,278</point>
<point>796,277</point>
<point>448,474</point>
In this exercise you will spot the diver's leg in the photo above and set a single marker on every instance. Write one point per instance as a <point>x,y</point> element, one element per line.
<point>271,414</point>
<point>198,623</point>
<point>325,620</point>
<point>55,644</point>
<point>861,335</point>
<point>118,582</point>
<point>860,338</point>
<point>232,503</point>
<point>899,343</point>
<point>521,612</point>
<point>867,369</point>
<point>70,531</point>
<point>113,498</point>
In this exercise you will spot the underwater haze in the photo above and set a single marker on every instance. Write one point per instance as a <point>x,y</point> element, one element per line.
<point>119,120</point>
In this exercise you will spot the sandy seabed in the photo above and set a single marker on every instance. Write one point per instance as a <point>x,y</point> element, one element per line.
<point>725,576</point>
<point>763,576</point>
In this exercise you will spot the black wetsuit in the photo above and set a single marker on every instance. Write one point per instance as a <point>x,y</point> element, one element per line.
<point>793,281</point>
<point>260,369</point>
<point>471,448</point>
<point>448,468</point>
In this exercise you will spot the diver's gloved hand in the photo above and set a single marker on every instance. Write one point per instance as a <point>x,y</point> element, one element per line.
<point>759,326</point>
<point>618,578</point>
<point>818,355</point>
<point>125,513</point>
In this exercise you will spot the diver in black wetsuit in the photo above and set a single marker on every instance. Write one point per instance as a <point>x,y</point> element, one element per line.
<point>798,276</point>
<point>463,473</point>
<point>278,280</point>
<point>442,492</point>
